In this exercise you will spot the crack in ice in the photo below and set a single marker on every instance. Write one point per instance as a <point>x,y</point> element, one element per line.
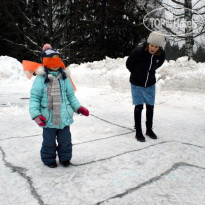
<point>136,150</point>
<point>102,138</point>
<point>22,172</point>
<point>152,180</point>
<point>111,122</point>
<point>29,136</point>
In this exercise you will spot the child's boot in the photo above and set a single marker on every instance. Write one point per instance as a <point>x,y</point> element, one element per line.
<point>52,165</point>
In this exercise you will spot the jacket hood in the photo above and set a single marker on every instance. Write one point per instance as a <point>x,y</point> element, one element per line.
<point>41,71</point>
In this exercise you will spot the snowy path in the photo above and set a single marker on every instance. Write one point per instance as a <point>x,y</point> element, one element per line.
<point>109,165</point>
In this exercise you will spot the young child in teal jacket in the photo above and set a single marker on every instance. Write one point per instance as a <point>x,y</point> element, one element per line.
<point>52,105</point>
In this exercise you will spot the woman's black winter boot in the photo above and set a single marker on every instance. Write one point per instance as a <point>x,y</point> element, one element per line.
<point>137,115</point>
<point>139,136</point>
<point>149,122</point>
<point>151,134</point>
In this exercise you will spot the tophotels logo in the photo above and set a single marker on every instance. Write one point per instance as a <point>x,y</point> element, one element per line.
<point>174,21</point>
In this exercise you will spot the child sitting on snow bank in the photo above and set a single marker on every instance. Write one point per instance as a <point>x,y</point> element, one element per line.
<point>52,105</point>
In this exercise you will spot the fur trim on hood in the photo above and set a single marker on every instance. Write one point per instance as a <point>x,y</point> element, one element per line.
<point>41,71</point>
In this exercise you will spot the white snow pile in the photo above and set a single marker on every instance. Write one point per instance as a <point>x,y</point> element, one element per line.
<point>173,75</point>
<point>11,70</point>
<point>182,75</point>
<point>107,72</point>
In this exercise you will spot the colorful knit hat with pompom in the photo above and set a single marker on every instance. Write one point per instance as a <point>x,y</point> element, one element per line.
<point>48,51</point>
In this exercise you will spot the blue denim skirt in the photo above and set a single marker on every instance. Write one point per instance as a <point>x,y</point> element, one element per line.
<point>141,95</point>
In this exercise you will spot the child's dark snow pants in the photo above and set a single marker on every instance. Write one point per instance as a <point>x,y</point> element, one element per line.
<point>49,147</point>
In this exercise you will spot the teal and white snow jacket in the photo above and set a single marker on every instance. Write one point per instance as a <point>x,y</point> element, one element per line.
<point>38,100</point>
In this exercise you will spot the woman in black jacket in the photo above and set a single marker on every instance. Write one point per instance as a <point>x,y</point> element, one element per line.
<point>142,64</point>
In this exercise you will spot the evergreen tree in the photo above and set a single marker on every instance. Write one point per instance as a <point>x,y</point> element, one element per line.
<point>173,51</point>
<point>82,30</point>
<point>199,54</point>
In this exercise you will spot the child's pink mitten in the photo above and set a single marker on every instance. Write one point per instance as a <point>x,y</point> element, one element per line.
<point>40,120</point>
<point>83,111</point>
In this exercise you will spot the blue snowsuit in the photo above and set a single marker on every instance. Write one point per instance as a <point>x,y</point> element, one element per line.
<point>68,105</point>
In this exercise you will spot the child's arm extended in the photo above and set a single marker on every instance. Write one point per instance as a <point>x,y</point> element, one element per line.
<point>73,100</point>
<point>35,97</point>
<point>71,95</point>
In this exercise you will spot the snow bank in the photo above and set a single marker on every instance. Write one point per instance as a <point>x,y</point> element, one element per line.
<point>173,75</point>
<point>108,72</point>
<point>10,69</point>
<point>182,75</point>
<point>12,77</point>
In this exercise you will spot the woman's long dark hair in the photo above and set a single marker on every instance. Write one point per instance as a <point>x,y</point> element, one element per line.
<point>158,52</point>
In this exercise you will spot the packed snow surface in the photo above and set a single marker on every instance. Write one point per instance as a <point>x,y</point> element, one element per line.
<point>108,166</point>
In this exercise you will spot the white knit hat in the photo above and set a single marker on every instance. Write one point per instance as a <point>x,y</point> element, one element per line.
<point>156,38</point>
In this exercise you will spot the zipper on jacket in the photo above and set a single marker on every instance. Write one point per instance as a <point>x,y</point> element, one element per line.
<point>148,71</point>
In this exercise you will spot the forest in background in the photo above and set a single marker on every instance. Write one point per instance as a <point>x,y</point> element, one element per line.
<point>82,30</point>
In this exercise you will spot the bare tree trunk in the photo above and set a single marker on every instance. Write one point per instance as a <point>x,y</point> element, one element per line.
<point>104,19</point>
<point>189,29</point>
<point>50,18</point>
<point>41,21</point>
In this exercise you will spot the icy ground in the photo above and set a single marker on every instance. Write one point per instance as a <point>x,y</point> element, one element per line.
<point>108,166</point>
